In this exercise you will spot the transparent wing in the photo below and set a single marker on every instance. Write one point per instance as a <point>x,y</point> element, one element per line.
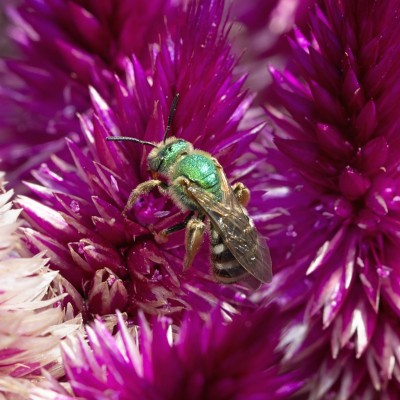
<point>236,228</point>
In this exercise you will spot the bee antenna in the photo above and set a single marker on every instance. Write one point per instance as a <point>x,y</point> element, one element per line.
<point>171,116</point>
<point>130,139</point>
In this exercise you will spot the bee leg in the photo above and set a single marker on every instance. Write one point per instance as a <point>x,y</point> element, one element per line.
<point>193,240</point>
<point>141,189</point>
<point>165,232</point>
<point>216,162</point>
<point>242,193</point>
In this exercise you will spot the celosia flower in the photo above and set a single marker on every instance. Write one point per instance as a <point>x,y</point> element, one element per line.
<point>118,262</point>
<point>65,46</point>
<point>199,360</point>
<point>335,207</point>
<point>31,318</point>
<point>326,195</point>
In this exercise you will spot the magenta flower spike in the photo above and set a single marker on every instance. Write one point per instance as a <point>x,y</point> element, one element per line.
<point>62,47</point>
<point>324,185</point>
<point>333,198</point>
<point>116,262</point>
<point>199,360</point>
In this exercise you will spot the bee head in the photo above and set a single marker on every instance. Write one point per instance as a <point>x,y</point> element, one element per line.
<point>167,153</point>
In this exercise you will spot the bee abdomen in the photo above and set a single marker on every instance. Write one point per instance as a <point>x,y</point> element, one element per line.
<point>225,266</point>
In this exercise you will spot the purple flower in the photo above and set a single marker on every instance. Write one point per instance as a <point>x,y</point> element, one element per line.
<point>65,46</point>
<point>118,262</point>
<point>333,193</point>
<point>198,360</point>
<point>324,191</point>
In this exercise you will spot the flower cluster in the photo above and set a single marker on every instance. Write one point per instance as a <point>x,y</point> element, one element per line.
<point>158,361</point>
<point>334,195</point>
<point>32,321</point>
<point>61,48</point>
<point>117,262</point>
<point>318,149</point>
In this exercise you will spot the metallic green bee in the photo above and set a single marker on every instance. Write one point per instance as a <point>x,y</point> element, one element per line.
<point>196,182</point>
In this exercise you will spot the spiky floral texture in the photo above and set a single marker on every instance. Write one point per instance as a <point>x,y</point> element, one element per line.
<point>32,322</point>
<point>199,360</point>
<point>116,262</point>
<point>261,28</point>
<point>335,207</point>
<point>332,212</point>
<point>65,46</point>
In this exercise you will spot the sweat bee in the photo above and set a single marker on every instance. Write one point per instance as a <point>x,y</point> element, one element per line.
<point>196,182</point>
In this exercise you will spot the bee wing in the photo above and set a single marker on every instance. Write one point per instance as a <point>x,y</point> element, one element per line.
<point>236,228</point>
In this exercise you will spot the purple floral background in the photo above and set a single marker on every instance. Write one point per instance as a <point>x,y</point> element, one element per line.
<point>298,100</point>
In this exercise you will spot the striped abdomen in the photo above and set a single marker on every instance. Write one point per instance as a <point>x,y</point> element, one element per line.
<point>225,267</point>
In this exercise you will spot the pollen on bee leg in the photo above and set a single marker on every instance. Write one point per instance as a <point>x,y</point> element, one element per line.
<point>193,240</point>
<point>141,189</point>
